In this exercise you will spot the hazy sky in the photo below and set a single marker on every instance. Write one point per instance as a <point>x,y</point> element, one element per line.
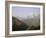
<point>25,11</point>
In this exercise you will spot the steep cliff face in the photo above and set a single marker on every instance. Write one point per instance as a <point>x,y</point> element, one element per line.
<point>18,25</point>
<point>25,24</point>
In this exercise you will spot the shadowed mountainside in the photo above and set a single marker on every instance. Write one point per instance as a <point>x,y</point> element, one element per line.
<point>18,25</point>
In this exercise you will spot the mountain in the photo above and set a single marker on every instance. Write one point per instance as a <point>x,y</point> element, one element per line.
<point>18,24</point>
<point>28,23</point>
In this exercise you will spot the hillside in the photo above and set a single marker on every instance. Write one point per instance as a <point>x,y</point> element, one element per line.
<point>25,24</point>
